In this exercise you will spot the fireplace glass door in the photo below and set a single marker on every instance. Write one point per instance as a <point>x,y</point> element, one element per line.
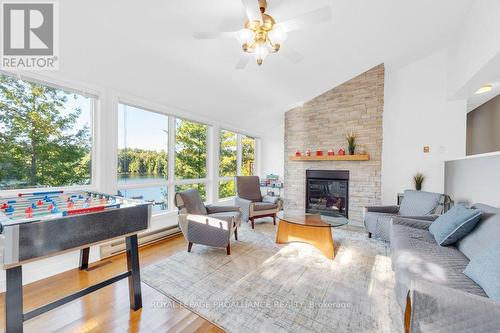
<point>327,196</point>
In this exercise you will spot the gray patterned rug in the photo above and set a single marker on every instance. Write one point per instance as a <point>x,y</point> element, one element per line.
<point>265,287</point>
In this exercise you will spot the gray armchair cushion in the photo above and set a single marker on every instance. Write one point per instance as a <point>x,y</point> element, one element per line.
<point>234,216</point>
<point>484,234</point>
<point>418,203</point>
<point>207,230</point>
<point>439,309</point>
<point>248,187</point>
<point>257,206</point>
<point>212,209</point>
<point>190,200</point>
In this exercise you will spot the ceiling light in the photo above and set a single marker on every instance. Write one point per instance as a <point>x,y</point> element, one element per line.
<point>484,89</point>
<point>261,37</point>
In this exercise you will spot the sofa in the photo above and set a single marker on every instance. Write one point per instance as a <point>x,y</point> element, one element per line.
<point>431,288</point>
<point>415,204</point>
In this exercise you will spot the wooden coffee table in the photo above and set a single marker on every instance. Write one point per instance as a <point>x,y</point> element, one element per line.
<point>314,229</point>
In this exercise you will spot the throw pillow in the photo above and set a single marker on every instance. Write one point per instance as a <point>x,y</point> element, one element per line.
<point>454,224</point>
<point>484,269</point>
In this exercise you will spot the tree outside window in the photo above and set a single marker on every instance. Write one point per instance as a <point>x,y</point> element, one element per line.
<point>45,135</point>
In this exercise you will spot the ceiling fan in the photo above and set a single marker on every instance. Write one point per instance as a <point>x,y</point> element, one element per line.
<point>263,35</point>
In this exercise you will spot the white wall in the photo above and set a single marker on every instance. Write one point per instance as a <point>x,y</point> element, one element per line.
<point>273,147</point>
<point>417,114</point>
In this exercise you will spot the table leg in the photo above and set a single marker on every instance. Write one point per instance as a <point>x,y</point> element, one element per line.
<point>84,258</point>
<point>14,300</point>
<point>319,237</point>
<point>134,280</point>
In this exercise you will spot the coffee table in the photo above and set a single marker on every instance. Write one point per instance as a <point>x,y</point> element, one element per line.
<point>314,229</point>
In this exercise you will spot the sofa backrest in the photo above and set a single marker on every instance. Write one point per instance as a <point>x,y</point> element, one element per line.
<point>419,203</point>
<point>486,232</point>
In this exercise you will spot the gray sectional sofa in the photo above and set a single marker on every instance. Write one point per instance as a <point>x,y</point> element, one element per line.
<point>431,288</point>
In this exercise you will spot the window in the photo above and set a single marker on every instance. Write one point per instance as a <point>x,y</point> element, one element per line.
<point>143,155</point>
<point>247,155</point>
<point>45,135</point>
<point>190,150</point>
<point>236,157</point>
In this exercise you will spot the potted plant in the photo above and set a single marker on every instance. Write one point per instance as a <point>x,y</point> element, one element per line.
<point>418,179</point>
<point>351,142</point>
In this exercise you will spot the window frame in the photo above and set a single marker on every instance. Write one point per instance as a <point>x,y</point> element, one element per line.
<point>95,139</point>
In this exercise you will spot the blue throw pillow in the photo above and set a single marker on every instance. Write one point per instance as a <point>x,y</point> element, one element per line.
<point>454,224</point>
<point>484,269</point>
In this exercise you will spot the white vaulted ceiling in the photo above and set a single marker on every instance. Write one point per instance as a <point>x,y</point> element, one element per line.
<point>146,48</point>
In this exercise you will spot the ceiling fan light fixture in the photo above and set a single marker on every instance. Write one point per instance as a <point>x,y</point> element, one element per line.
<point>260,53</point>
<point>277,35</point>
<point>245,36</point>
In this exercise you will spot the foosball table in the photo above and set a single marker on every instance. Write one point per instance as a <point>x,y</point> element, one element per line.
<point>42,224</point>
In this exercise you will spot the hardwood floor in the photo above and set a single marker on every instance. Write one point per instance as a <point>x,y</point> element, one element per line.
<point>107,310</point>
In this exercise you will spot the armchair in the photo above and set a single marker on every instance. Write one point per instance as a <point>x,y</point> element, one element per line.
<point>206,224</point>
<point>253,205</point>
<point>415,204</point>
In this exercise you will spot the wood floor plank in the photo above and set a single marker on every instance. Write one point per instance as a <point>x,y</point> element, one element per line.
<point>107,310</point>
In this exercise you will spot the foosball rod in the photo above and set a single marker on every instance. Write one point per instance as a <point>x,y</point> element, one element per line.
<point>39,193</point>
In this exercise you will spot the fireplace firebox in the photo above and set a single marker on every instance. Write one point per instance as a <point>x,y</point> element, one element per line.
<point>327,192</point>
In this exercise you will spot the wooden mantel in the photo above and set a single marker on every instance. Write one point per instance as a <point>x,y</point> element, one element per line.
<point>363,157</point>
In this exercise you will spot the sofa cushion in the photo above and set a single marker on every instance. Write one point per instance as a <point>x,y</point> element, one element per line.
<point>454,224</point>
<point>485,233</point>
<point>191,201</point>
<point>418,203</point>
<point>258,206</point>
<point>484,269</point>
<point>416,256</point>
<point>248,187</point>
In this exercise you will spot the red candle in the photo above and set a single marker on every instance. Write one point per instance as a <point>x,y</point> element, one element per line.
<point>319,152</point>
<point>331,153</point>
<point>341,152</point>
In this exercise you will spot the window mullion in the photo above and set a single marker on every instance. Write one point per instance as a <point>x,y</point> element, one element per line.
<point>171,163</point>
<point>239,154</point>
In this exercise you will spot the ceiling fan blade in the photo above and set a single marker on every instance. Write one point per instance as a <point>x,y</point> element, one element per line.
<point>291,55</point>
<point>316,16</point>
<point>214,35</point>
<point>243,62</point>
<point>252,10</point>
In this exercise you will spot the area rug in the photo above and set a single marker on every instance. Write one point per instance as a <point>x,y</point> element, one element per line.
<point>265,287</point>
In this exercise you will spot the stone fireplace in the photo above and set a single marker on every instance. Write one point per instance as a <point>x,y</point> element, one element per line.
<point>327,192</point>
<point>322,123</point>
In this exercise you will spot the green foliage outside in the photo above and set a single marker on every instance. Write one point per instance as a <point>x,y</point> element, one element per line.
<point>142,162</point>
<point>247,155</point>
<point>39,143</point>
<point>228,165</point>
<point>190,150</point>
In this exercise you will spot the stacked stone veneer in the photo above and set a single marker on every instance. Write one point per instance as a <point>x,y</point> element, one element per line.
<point>321,123</point>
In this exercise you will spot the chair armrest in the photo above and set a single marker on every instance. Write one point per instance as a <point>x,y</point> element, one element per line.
<point>212,209</point>
<point>429,218</point>
<point>383,209</point>
<point>411,222</point>
<point>436,308</point>
<point>270,199</point>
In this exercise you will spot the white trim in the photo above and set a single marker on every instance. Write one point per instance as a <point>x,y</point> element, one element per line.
<point>495,153</point>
